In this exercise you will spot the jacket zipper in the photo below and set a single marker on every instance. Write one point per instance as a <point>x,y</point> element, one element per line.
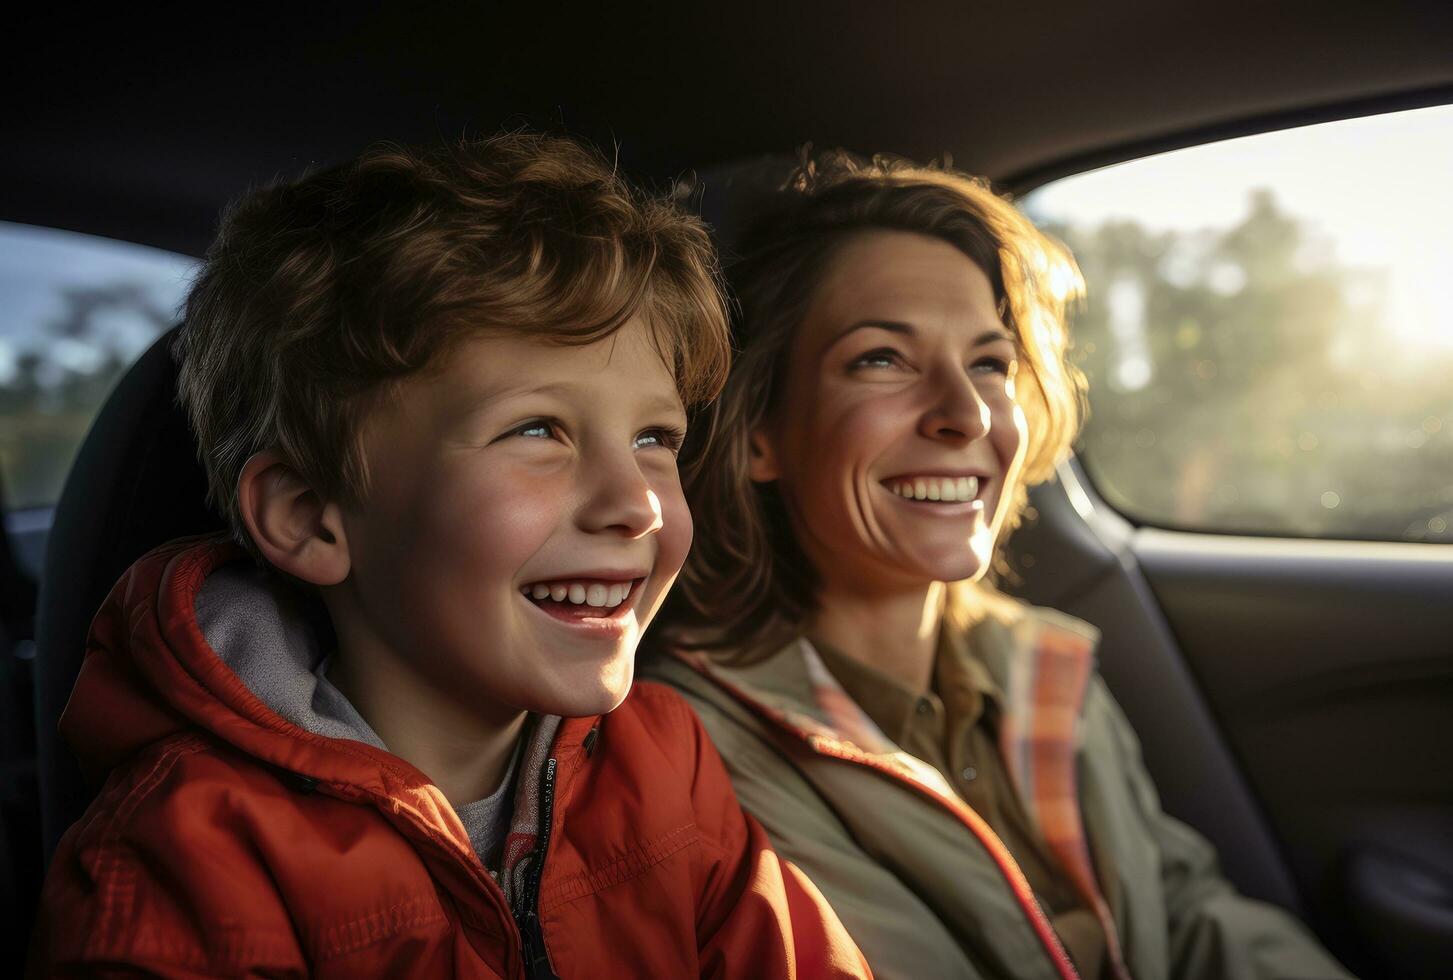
<point>532,937</point>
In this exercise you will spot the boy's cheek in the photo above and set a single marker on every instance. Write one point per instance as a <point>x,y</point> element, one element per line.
<point>509,515</point>
<point>676,533</point>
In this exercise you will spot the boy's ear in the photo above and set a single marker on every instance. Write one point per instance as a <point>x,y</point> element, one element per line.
<point>762,463</point>
<point>296,530</point>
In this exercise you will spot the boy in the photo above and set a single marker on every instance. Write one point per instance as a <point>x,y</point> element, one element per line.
<point>438,396</point>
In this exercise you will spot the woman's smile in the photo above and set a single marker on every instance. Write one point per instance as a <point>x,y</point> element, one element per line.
<point>900,389</point>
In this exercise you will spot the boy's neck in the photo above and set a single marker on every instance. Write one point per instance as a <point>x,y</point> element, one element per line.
<point>464,750</point>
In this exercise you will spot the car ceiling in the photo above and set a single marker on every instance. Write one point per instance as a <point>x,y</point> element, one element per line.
<point>140,122</point>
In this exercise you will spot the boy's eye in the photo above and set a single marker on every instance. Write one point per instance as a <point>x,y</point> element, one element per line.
<point>662,437</point>
<point>880,358</point>
<point>535,429</point>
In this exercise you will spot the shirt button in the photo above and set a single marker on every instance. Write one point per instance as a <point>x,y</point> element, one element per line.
<point>924,708</point>
<point>969,773</point>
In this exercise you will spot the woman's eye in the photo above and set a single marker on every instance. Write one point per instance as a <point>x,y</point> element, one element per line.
<point>664,437</point>
<point>884,357</point>
<point>994,365</point>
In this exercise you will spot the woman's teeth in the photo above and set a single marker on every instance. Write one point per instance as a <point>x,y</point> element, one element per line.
<point>949,489</point>
<point>579,593</point>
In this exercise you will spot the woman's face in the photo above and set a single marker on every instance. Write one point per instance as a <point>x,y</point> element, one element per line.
<point>897,443</point>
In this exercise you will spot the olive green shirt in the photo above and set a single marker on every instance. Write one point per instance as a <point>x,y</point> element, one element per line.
<point>954,728</point>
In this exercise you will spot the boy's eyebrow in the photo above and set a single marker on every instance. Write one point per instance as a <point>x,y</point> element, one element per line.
<point>657,401</point>
<point>479,400</point>
<point>908,330</point>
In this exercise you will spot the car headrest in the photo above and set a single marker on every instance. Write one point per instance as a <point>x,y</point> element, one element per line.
<point>135,484</point>
<point>733,198</point>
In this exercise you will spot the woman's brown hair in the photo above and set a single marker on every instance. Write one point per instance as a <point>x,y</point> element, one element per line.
<point>747,587</point>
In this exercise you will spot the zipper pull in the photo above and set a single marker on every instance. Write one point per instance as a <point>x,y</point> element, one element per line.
<point>537,964</point>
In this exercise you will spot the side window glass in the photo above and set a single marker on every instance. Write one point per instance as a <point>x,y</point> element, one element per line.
<point>75,312</point>
<point>1268,334</point>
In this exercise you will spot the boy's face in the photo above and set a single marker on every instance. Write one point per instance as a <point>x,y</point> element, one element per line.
<point>523,520</point>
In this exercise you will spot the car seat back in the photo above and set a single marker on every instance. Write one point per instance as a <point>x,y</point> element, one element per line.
<point>135,484</point>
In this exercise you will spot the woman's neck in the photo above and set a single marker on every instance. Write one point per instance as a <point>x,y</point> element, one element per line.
<point>895,634</point>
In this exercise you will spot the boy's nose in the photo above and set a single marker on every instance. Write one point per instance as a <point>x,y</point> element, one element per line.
<point>621,500</point>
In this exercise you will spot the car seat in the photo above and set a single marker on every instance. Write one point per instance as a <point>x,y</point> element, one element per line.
<point>135,484</point>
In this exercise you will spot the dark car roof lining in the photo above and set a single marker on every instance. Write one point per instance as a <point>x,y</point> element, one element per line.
<point>140,125</point>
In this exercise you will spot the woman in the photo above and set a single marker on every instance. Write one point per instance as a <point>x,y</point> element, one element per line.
<point>943,761</point>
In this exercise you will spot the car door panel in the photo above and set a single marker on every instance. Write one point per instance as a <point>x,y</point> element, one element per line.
<point>1294,701</point>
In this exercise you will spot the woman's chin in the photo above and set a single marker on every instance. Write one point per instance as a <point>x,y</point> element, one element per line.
<point>956,568</point>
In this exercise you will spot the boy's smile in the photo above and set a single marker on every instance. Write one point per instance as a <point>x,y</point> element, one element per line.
<point>590,600</point>
<point>522,523</point>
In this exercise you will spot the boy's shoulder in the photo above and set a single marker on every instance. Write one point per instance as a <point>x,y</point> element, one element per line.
<point>659,716</point>
<point>197,855</point>
<point>163,867</point>
<point>658,735</point>
<point>659,703</point>
<point>190,797</point>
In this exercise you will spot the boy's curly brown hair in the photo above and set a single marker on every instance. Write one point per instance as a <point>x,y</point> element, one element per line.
<point>319,294</point>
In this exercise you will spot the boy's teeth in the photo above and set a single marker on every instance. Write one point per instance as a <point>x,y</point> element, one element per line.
<point>580,593</point>
<point>948,488</point>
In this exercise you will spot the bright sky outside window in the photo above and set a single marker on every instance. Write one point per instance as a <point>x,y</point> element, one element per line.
<point>75,312</point>
<point>1269,329</point>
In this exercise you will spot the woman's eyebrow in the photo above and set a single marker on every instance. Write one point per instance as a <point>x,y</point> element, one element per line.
<point>907,330</point>
<point>892,326</point>
<point>990,336</point>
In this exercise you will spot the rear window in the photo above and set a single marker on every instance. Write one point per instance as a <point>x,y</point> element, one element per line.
<point>1269,329</point>
<point>75,312</point>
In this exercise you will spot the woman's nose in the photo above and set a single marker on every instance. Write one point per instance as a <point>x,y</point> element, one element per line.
<point>956,412</point>
<point>619,499</point>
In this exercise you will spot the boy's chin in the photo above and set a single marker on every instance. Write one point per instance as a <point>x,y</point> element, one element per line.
<point>600,695</point>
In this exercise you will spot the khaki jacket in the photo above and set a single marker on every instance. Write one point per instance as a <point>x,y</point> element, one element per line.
<point>923,885</point>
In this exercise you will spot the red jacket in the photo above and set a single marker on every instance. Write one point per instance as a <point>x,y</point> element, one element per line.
<point>228,841</point>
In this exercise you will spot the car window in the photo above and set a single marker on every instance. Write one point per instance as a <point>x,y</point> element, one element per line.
<point>75,312</point>
<point>1268,332</point>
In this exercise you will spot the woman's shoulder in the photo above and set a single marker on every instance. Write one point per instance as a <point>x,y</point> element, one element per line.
<point>724,698</point>
<point>994,612</point>
<point>678,693</point>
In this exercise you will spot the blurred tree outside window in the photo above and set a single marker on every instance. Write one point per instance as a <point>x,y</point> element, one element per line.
<point>75,312</point>
<point>1268,330</point>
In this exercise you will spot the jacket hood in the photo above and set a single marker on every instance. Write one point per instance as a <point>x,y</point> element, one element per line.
<point>150,673</point>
